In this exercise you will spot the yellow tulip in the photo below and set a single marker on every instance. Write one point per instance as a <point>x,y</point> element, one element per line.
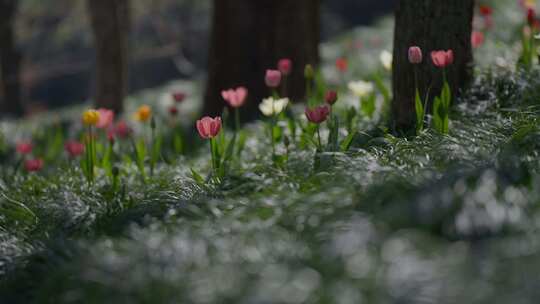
<point>90,117</point>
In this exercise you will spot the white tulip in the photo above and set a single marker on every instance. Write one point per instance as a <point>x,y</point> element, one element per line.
<point>271,106</point>
<point>361,88</point>
<point>386,59</point>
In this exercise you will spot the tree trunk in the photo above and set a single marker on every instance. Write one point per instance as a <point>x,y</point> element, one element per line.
<point>249,37</point>
<point>431,25</point>
<point>110,22</point>
<point>10,95</point>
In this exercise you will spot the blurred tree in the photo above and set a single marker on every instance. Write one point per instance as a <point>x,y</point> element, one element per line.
<point>249,37</point>
<point>10,96</point>
<point>431,25</point>
<point>111,23</point>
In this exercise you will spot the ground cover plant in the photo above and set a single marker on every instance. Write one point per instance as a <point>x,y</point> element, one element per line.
<point>315,203</point>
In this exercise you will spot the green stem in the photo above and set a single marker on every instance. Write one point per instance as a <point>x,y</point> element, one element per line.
<point>237,119</point>
<point>319,138</point>
<point>212,153</point>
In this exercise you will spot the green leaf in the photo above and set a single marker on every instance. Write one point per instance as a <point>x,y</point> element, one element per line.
<point>419,107</point>
<point>346,143</point>
<point>198,178</point>
<point>368,105</point>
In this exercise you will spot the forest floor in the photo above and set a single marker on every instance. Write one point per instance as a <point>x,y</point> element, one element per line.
<point>431,219</point>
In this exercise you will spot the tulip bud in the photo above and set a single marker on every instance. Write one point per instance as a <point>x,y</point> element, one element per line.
<point>309,73</point>
<point>415,55</point>
<point>285,66</point>
<point>331,97</point>
<point>273,78</point>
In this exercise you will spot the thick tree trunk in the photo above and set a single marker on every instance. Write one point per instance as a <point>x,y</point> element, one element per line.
<point>249,37</point>
<point>10,96</point>
<point>431,25</point>
<point>110,22</point>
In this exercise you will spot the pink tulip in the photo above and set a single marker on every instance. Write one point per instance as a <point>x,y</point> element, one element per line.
<point>74,148</point>
<point>33,165</point>
<point>235,98</point>
<point>179,96</point>
<point>106,118</point>
<point>415,55</point>
<point>331,97</point>
<point>285,66</point>
<point>317,115</point>
<point>442,59</point>
<point>24,147</point>
<point>477,39</point>
<point>209,127</point>
<point>273,78</point>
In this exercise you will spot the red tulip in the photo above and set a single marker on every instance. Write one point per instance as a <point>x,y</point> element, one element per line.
<point>179,96</point>
<point>122,130</point>
<point>74,148</point>
<point>209,127</point>
<point>285,66</point>
<point>486,10</point>
<point>341,64</point>
<point>317,115</point>
<point>33,165</point>
<point>331,97</point>
<point>24,148</point>
<point>273,78</point>
<point>442,59</point>
<point>477,39</point>
<point>235,98</point>
<point>173,110</point>
<point>106,118</point>
<point>531,16</point>
<point>415,55</point>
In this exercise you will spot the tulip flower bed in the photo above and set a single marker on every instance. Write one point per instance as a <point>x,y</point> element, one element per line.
<point>316,203</point>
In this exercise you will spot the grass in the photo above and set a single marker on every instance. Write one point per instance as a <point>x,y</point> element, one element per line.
<point>430,219</point>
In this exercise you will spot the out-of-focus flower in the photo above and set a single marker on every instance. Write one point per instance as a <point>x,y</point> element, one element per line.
<point>74,148</point>
<point>309,72</point>
<point>179,96</point>
<point>271,106</point>
<point>331,97</point>
<point>361,88</point>
<point>485,10</point>
<point>317,115</point>
<point>477,39</point>
<point>531,16</point>
<point>386,59</point>
<point>342,65</point>
<point>33,165</point>
<point>173,110</point>
<point>208,127</point>
<point>90,117</point>
<point>442,59</point>
<point>285,66</point>
<point>415,55</point>
<point>122,129</point>
<point>24,147</point>
<point>272,78</point>
<point>106,118</point>
<point>143,114</point>
<point>235,97</point>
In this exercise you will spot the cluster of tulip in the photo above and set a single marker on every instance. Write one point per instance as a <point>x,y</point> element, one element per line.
<point>441,104</point>
<point>274,108</point>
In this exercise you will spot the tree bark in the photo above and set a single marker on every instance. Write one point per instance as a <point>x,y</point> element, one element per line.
<point>249,37</point>
<point>431,25</point>
<point>110,23</point>
<point>10,95</point>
